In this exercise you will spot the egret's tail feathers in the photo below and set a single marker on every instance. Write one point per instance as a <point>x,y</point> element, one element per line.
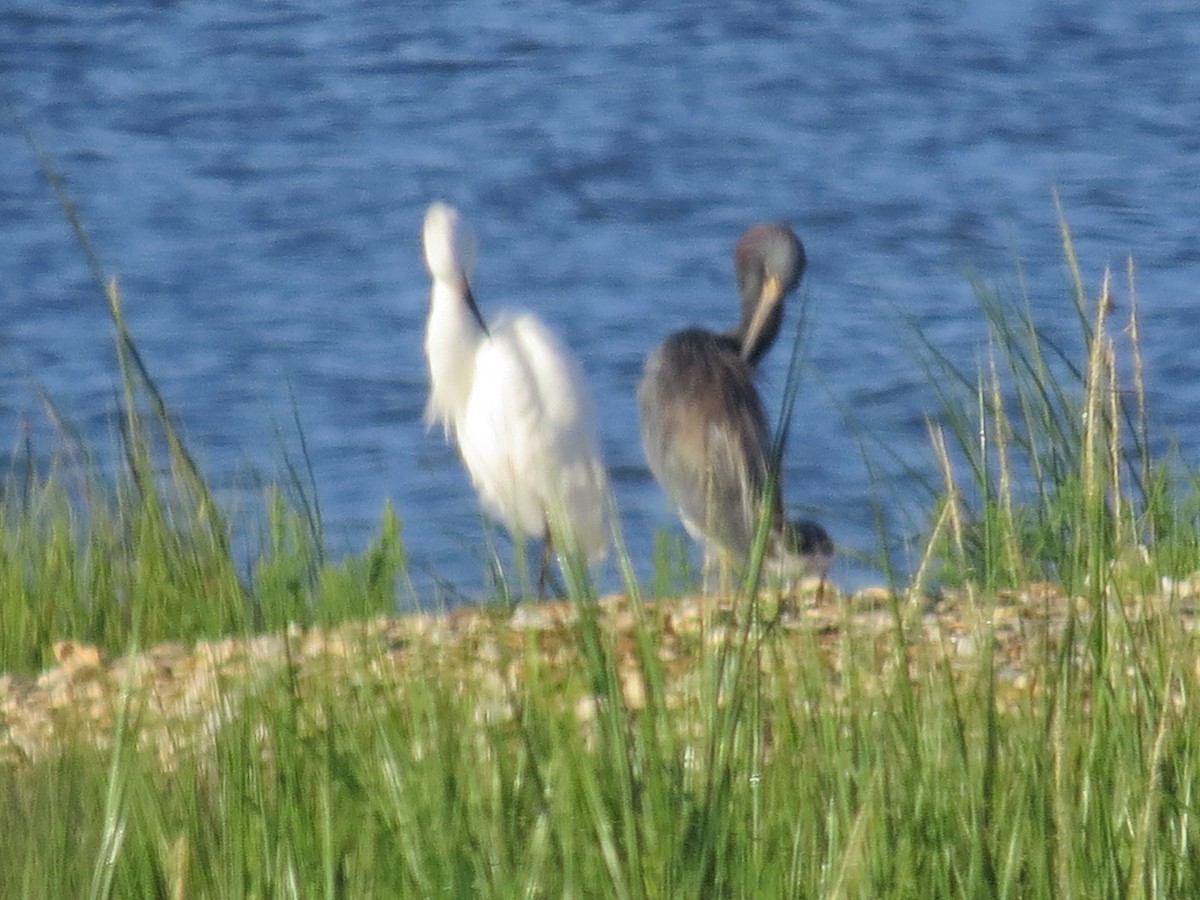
<point>579,517</point>
<point>449,243</point>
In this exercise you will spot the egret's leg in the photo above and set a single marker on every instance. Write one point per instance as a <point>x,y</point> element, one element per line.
<point>547,554</point>
<point>521,560</point>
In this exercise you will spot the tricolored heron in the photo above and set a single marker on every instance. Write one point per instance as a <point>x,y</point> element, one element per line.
<point>516,404</point>
<point>704,429</point>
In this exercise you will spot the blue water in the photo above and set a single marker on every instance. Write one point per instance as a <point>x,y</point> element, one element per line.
<point>255,175</point>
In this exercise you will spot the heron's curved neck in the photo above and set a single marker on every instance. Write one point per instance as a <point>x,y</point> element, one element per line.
<point>754,338</point>
<point>762,316</point>
<point>732,340</point>
<point>753,349</point>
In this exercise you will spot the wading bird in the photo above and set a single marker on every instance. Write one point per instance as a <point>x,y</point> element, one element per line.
<point>516,404</point>
<point>704,430</point>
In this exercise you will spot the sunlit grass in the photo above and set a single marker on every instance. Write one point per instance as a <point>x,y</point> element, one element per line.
<point>655,748</point>
<point>562,764</point>
<point>1046,460</point>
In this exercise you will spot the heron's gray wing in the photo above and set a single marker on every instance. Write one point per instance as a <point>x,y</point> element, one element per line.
<point>705,435</point>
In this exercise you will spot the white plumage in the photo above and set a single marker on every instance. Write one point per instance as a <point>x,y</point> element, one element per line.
<point>515,402</point>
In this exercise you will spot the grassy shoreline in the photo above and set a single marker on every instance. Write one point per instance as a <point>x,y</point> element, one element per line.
<point>673,748</point>
<point>1015,721</point>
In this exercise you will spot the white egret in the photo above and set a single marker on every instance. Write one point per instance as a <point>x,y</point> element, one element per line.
<point>516,404</point>
<point>704,430</point>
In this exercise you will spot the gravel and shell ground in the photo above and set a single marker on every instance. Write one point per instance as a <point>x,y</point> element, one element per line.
<point>177,695</point>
